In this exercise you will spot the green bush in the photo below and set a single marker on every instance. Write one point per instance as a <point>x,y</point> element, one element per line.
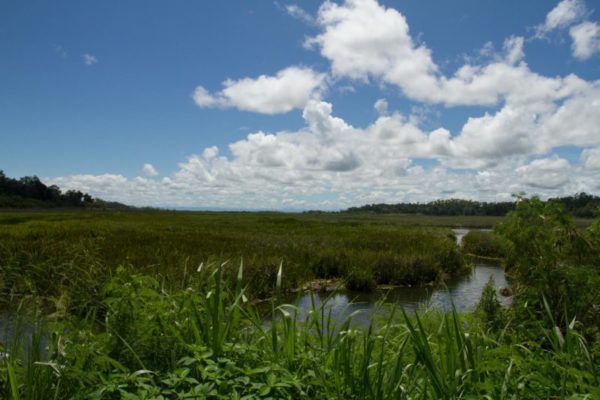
<point>484,244</point>
<point>360,279</point>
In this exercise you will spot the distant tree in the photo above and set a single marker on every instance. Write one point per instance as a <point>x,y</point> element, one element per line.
<point>30,191</point>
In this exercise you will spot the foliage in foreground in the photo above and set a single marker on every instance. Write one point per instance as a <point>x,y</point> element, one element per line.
<point>155,345</point>
<point>549,257</point>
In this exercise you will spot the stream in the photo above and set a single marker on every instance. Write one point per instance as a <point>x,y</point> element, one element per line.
<point>463,292</point>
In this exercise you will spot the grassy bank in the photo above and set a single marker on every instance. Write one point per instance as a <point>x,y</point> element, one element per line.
<point>145,343</point>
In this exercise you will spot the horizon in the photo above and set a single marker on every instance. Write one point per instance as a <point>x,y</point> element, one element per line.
<point>302,106</point>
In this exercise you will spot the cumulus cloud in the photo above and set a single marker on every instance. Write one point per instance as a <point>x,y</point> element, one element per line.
<point>89,59</point>
<point>585,35</point>
<point>364,40</point>
<point>562,16</point>
<point>591,158</point>
<point>149,170</point>
<point>381,106</point>
<point>586,39</point>
<point>546,173</point>
<point>347,165</point>
<point>329,163</point>
<point>290,88</point>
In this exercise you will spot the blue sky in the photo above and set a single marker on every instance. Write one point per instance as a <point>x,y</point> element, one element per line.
<point>261,104</point>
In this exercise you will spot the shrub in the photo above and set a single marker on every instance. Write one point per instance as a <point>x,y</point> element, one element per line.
<point>360,279</point>
<point>485,244</point>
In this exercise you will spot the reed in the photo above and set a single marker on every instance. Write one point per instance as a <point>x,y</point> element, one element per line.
<point>154,343</point>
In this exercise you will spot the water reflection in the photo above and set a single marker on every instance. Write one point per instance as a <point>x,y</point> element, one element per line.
<point>464,292</point>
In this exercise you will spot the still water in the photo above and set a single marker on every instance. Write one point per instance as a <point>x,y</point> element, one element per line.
<point>462,292</point>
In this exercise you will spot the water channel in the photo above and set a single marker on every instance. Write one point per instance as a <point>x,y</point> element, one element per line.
<point>462,292</point>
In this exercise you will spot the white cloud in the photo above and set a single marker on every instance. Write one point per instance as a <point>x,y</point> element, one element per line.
<point>591,158</point>
<point>89,59</point>
<point>346,165</point>
<point>585,35</point>
<point>365,40</point>
<point>546,173</point>
<point>297,12</point>
<point>330,163</point>
<point>566,13</point>
<point>381,106</point>
<point>586,40</point>
<point>149,170</point>
<point>290,88</point>
<point>203,98</point>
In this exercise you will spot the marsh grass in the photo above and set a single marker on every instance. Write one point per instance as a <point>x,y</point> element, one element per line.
<point>485,244</point>
<point>156,344</point>
<point>67,258</point>
<point>161,306</point>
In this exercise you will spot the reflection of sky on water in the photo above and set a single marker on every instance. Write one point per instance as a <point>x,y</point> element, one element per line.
<point>464,292</point>
<point>461,232</point>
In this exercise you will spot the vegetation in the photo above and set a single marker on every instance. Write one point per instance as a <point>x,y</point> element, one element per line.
<point>71,255</point>
<point>484,244</point>
<point>30,192</point>
<point>197,334</point>
<point>581,205</point>
<point>556,265</point>
<point>440,207</point>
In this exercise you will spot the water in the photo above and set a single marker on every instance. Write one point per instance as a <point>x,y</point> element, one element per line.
<point>462,292</point>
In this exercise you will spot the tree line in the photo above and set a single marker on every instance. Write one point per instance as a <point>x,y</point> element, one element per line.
<point>580,205</point>
<point>30,192</point>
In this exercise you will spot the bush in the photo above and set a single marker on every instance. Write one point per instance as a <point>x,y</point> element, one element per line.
<point>489,305</point>
<point>360,279</point>
<point>548,255</point>
<point>485,244</point>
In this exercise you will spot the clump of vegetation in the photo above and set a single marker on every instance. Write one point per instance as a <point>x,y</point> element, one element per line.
<point>549,256</point>
<point>489,305</point>
<point>484,244</point>
<point>360,279</point>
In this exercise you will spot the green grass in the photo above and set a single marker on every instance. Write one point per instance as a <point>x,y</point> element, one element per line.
<point>152,344</point>
<point>68,256</point>
<point>159,305</point>
<point>484,244</point>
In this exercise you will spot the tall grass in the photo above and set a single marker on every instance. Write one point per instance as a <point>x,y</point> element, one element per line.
<point>152,343</point>
<point>70,256</point>
<point>485,244</point>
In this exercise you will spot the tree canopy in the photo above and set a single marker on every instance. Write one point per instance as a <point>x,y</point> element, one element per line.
<point>579,205</point>
<point>31,192</point>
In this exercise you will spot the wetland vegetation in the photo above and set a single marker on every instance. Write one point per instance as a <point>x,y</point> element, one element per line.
<point>162,305</point>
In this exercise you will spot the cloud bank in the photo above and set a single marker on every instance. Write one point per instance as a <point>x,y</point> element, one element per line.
<point>331,164</point>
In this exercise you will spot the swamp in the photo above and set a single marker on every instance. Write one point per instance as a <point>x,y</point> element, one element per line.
<point>165,305</point>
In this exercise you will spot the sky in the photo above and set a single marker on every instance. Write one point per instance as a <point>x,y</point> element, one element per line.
<point>302,105</point>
